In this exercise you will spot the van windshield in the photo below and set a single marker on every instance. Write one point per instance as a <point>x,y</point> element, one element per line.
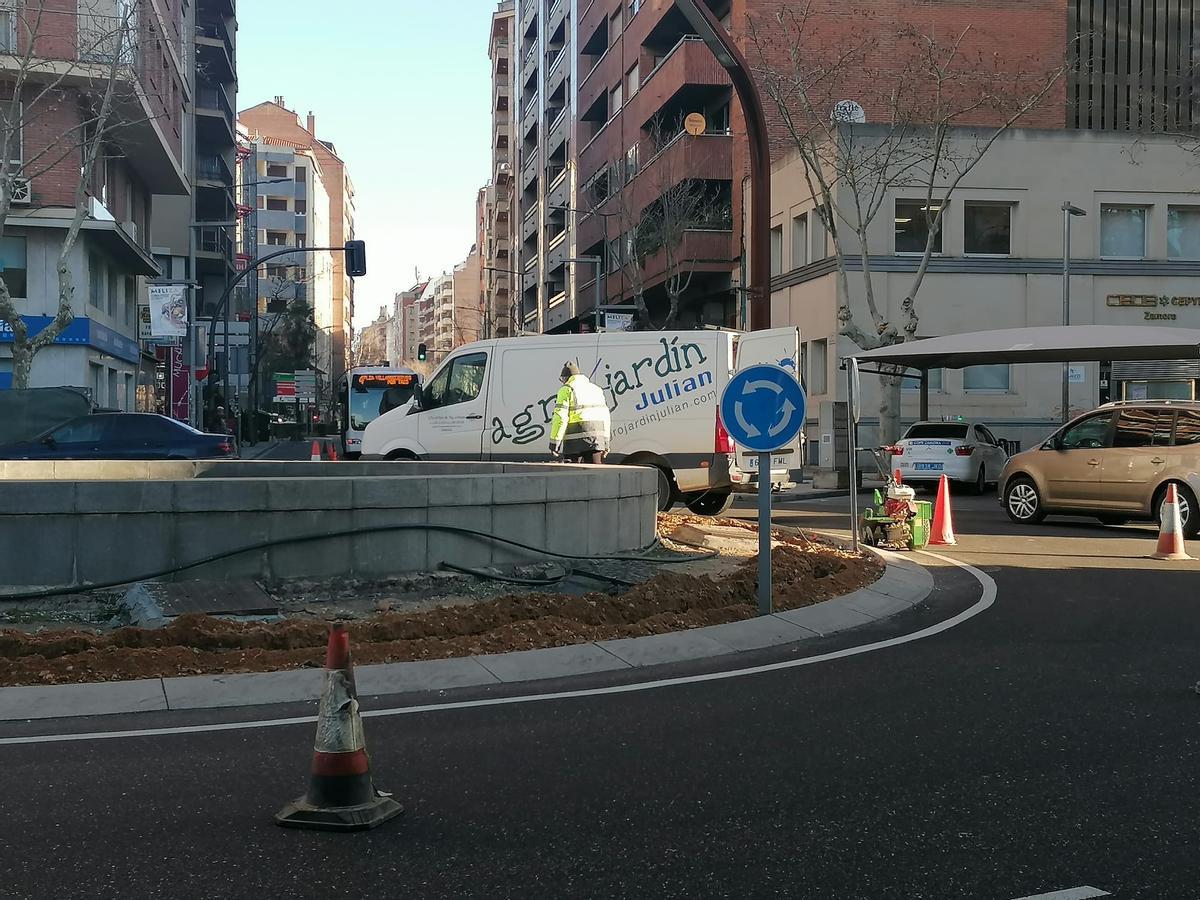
<point>952,430</point>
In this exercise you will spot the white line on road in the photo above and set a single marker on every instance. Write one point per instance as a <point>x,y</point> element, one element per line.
<point>986,599</point>
<point>1079,893</point>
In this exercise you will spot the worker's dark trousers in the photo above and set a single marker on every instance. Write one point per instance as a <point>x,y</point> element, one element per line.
<point>595,458</point>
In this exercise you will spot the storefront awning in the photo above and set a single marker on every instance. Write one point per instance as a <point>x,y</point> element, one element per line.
<point>1048,344</point>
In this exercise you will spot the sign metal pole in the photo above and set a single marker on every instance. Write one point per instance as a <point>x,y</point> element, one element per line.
<point>764,534</point>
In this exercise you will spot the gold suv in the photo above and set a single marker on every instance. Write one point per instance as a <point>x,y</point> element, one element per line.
<point>1114,463</point>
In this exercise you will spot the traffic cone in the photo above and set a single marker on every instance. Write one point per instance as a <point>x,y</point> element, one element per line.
<point>896,477</point>
<point>942,531</point>
<point>1170,532</point>
<point>316,452</point>
<point>333,454</point>
<point>341,795</point>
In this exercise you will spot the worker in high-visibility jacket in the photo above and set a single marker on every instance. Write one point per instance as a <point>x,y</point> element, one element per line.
<point>579,431</point>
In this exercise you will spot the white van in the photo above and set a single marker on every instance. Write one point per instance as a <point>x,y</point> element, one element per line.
<point>493,400</point>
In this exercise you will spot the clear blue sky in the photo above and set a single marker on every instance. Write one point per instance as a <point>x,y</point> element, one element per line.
<point>403,88</point>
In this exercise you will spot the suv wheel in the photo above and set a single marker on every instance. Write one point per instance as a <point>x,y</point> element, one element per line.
<point>1022,501</point>
<point>980,486</point>
<point>1189,512</point>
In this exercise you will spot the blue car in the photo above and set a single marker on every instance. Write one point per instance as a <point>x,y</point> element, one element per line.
<point>123,436</point>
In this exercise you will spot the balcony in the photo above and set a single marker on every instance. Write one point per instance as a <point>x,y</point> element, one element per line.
<point>215,243</point>
<point>214,51</point>
<point>558,12</point>
<point>529,172</point>
<point>706,156</point>
<point>688,65</point>
<point>529,225</point>
<point>702,251</point>
<point>529,10</point>
<point>211,167</point>
<point>214,116</point>
<point>558,72</point>
<point>529,115</point>
<point>558,194</point>
<point>277,220</point>
<point>559,131</point>
<point>529,63</point>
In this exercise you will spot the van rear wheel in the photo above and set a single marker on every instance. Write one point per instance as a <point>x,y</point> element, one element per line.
<point>1189,513</point>
<point>709,503</point>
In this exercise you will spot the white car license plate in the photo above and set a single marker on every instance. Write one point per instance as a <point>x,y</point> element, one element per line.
<point>929,467</point>
<point>777,462</point>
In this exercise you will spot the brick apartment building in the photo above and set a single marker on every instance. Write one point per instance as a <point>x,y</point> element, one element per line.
<point>278,124</point>
<point>99,351</point>
<point>637,70</point>
<point>498,261</point>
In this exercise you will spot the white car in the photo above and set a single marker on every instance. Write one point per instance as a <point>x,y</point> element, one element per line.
<point>963,451</point>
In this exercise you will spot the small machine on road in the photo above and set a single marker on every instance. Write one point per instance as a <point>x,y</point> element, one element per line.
<point>897,520</point>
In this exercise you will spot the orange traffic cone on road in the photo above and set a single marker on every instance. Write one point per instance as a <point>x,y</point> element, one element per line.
<point>341,795</point>
<point>316,452</point>
<point>333,454</point>
<point>1170,532</point>
<point>942,530</point>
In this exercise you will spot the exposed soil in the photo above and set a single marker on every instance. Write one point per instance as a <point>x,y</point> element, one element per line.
<point>805,572</point>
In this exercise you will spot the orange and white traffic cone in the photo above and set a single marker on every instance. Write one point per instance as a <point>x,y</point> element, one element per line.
<point>333,454</point>
<point>1170,533</point>
<point>942,530</point>
<point>896,477</point>
<point>316,452</point>
<point>341,795</point>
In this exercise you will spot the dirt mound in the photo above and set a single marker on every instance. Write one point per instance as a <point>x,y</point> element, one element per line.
<point>196,644</point>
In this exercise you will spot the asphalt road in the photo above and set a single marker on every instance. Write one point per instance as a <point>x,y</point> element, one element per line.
<point>1047,743</point>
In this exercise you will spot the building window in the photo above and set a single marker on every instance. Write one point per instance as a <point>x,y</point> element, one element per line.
<point>8,26</point>
<point>114,395</point>
<point>777,250</point>
<point>279,204</point>
<point>277,171</point>
<point>634,6</point>
<point>912,227</point>
<point>632,81</point>
<point>95,281</point>
<point>935,381</point>
<point>262,202</point>
<point>130,300</point>
<point>301,174</point>
<point>96,383</point>
<point>12,266</point>
<point>277,239</point>
<point>301,206</point>
<point>112,293</point>
<point>1183,232</point>
<point>614,101</point>
<point>616,25</point>
<point>987,229</point>
<point>818,362</point>
<point>820,233</point>
<point>1123,232</point>
<point>799,241</point>
<point>987,379</point>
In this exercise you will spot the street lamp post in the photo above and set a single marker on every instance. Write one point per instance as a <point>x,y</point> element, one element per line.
<point>731,59</point>
<point>1069,212</point>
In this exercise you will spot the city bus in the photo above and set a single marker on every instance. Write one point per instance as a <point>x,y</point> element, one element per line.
<point>367,392</point>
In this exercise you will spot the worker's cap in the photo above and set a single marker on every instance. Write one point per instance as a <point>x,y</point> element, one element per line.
<point>569,368</point>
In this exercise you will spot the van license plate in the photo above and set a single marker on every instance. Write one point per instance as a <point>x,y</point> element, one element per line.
<point>777,462</point>
<point>929,467</point>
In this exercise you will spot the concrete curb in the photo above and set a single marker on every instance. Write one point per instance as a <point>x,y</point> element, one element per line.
<point>903,585</point>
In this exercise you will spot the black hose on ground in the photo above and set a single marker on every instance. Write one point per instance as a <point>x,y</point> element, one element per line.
<point>543,582</point>
<point>349,532</point>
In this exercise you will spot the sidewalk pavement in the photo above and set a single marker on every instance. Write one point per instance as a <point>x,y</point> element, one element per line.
<point>903,585</point>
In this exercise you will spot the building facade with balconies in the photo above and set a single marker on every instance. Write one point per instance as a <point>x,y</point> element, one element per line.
<point>71,60</point>
<point>642,73</point>
<point>545,173</point>
<point>497,239</point>
<point>280,125</point>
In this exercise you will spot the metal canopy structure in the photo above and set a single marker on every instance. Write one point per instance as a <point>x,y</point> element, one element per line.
<point>1047,344</point>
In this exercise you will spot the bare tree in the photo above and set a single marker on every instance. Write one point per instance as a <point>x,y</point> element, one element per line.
<point>937,108</point>
<point>84,83</point>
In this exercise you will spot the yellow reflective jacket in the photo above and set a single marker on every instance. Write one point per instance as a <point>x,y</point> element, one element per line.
<point>581,421</point>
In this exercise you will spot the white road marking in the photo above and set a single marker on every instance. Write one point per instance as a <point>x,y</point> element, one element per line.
<point>1079,893</point>
<point>986,599</point>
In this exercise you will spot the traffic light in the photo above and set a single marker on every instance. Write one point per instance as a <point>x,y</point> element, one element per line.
<point>421,352</point>
<point>356,258</point>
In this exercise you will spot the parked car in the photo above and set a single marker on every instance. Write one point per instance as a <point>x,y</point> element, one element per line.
<point>1114,463</point>
<point>123,436</point>
<point>966,452</point>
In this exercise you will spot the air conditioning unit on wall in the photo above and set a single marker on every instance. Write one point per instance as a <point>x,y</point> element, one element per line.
<point>22,192</point>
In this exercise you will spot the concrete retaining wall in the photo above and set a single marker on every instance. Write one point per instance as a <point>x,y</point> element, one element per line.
<point>87,522</point>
